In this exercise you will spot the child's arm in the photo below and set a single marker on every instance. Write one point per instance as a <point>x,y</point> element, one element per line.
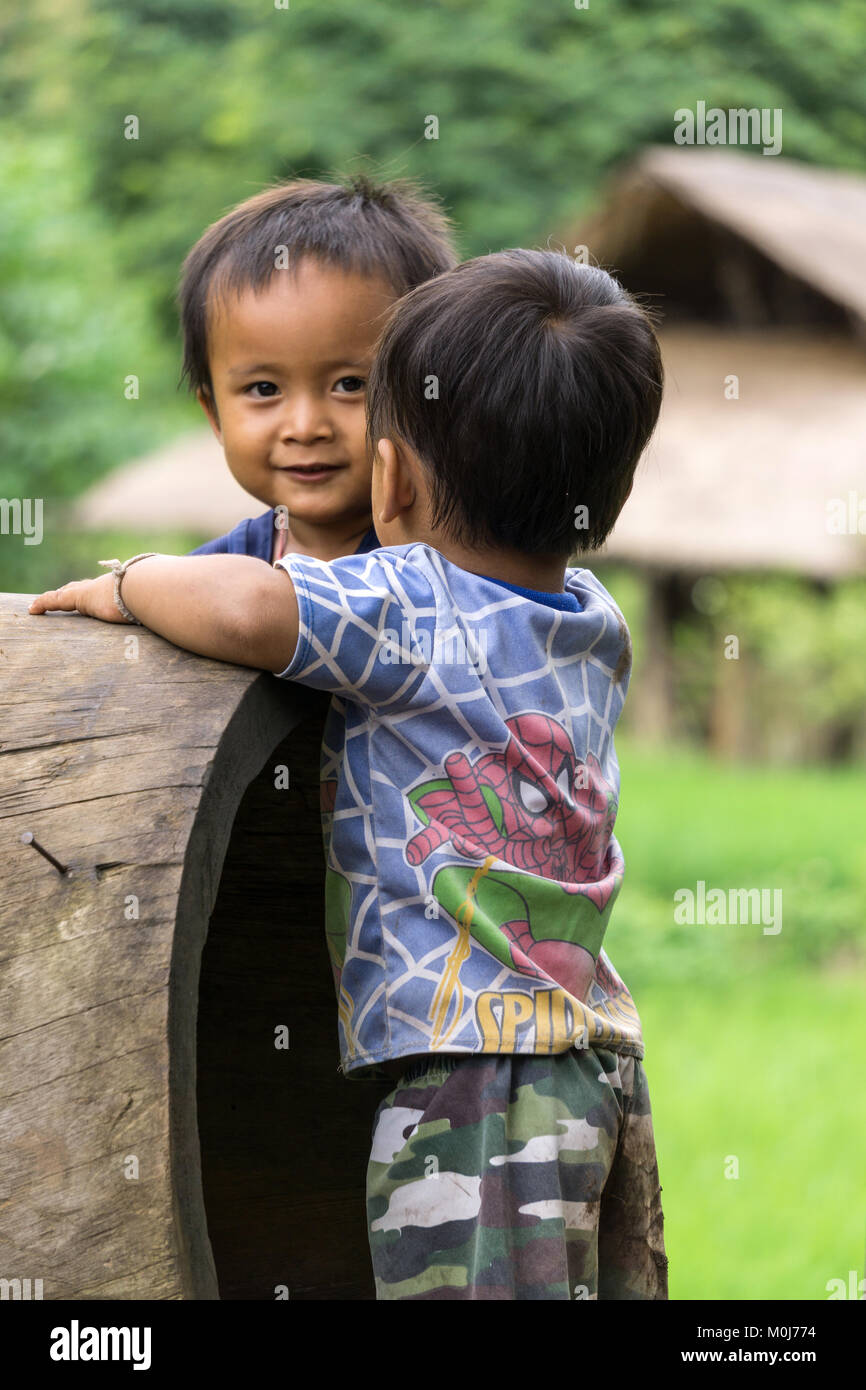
<point>230,607</point>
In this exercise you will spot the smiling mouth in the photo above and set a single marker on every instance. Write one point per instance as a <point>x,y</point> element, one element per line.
<point>310,471</point>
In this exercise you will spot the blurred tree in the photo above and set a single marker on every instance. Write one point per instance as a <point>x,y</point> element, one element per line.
<point>534,105</point>
<point>79,351</point>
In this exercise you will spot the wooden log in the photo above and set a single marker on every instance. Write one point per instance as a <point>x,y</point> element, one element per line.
<point>129,1169</point>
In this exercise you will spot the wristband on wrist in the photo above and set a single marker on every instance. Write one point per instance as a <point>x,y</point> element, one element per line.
<point>119,570</point>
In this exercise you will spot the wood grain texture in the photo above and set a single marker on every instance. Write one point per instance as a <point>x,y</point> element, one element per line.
<point>128,759</point>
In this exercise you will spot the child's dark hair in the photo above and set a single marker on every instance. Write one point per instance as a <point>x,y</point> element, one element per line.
<point>528,385</point>
<point>395,229</point>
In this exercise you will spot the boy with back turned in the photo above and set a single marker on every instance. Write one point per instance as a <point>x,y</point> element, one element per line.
<point>471,779</point>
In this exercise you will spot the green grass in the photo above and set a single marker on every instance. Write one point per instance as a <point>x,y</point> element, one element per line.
<point>745,817</point>
<point>771,1073</point>
<point>683,818</point>
<point>755,1044</point>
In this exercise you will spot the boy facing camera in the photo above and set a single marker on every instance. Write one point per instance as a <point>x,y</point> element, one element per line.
<point>472,865</point>
<point>280,305</point>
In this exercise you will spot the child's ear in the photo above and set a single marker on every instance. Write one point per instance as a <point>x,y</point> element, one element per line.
<point>208,405</point>
<point>396,485</point>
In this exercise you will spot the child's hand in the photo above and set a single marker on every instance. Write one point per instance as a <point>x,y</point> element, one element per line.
<point>92,597</point>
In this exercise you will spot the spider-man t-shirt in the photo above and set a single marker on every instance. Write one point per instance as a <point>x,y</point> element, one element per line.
<point>469,792</point>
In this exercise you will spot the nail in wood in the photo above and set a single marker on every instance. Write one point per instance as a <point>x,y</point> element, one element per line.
<point>28,838</point>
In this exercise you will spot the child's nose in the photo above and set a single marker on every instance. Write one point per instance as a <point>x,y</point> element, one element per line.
<point>304,420</point>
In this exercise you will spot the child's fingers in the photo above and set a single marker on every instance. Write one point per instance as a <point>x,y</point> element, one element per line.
<point>65,598</point>
<point>43,602</point>
<point>94,598</point>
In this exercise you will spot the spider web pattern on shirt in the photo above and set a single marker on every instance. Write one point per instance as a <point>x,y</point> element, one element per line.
<point>349,607</point>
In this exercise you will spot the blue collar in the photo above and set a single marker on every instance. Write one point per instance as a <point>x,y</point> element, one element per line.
<point>567,602</point>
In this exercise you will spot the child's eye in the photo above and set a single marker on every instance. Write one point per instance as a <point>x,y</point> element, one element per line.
<point>267,388</point>
<point>352,384</point>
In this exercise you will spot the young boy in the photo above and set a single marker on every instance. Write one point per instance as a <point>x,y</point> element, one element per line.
<point>472,865</point>
<point>295,280</point>
<point>280,305</point>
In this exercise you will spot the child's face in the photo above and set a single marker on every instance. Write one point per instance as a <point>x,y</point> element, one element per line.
<point>289,368</point>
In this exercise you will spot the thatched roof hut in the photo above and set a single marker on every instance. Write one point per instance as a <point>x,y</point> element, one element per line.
<point>768,229</point>
<point>747,483</point>
<point>758,266</point>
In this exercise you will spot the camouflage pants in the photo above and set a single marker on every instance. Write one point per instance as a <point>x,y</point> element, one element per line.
<point>517,1177</point>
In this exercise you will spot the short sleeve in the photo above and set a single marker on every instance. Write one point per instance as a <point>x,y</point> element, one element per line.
<point>366,626</point>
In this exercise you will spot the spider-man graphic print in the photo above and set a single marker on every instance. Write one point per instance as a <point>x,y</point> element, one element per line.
<point>469,794</point>
<point>532,808</point>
